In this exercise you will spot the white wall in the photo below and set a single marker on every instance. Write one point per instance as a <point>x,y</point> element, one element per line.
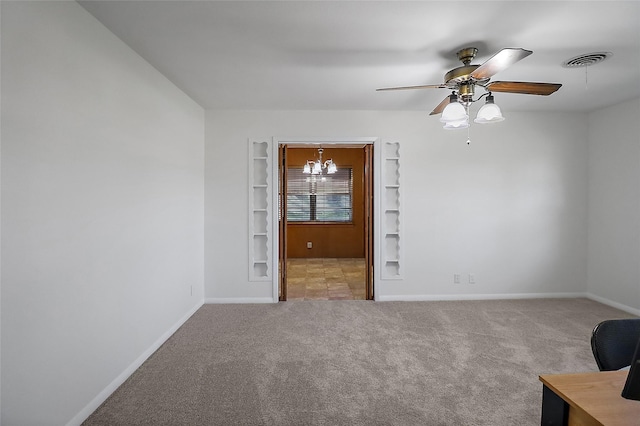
<point>614,204</point>
<point>102,211</point>
<point>509,208</point>
<point>102,207</point>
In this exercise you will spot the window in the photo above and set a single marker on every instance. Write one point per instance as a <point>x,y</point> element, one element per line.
<point>320,198</point>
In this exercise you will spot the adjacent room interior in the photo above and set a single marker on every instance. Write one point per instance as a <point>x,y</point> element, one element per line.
<point>325,220</point>
<point>139,206</point>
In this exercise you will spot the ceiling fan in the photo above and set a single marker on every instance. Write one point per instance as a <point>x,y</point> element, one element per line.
<point>464,80</point>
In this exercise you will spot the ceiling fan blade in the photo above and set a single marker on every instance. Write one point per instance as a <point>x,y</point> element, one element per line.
<point>441,106</point>
<point>426,86</point>
<point>500,61</point>
<point>525,88</point>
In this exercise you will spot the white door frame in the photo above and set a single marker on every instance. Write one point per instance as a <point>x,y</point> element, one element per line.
<point>377,148</point>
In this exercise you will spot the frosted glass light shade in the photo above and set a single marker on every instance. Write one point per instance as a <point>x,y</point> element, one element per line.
<point>489,113</point>
<point>306,168</point>
<point>317,168</point>
<point>453,112</point>
<point>460,124</point>
<point>332,168</point>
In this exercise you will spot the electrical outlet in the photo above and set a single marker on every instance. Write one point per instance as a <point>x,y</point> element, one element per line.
<point>309,244</point>
<point>456,278</point>
<point>472,279</point>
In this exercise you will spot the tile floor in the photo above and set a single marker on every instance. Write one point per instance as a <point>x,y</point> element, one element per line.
<point>326,279</point>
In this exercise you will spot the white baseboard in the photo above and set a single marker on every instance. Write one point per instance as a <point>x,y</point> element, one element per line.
<point>439,297</point>
<point>106,392</point>
<point>614,304</point>
<point>222,300</point>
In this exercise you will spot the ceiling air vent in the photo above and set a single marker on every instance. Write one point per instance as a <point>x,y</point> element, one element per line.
<point>586,60</point>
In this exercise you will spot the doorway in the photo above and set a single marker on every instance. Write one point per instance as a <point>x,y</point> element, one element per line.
<point>325,223</point>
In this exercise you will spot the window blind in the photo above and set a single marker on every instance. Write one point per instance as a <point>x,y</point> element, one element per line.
<point>320,198</point>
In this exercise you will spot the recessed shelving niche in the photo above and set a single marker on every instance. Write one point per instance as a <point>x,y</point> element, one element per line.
<point>392,221</point>
<point>259,211</point>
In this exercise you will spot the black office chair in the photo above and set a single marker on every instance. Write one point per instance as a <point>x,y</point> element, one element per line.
<point>614,341</point>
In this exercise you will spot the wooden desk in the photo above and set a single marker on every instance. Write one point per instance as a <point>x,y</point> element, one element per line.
<point>587,399</point>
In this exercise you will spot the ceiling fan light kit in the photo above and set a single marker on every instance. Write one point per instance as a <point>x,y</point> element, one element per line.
<point>455,125</point>
<point>463,80</point>
<point>454,111</point>
<point>489,112</point>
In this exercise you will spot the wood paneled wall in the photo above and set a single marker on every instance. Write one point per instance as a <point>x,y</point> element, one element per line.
<point>330,240</point>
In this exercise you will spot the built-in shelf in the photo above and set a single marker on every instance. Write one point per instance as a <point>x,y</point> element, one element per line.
<point>391,223</point>
<point>259,216</point>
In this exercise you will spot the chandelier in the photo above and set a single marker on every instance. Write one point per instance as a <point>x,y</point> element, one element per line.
<point>316,167</point>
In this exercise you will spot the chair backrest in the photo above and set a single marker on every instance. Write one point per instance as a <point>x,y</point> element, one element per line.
<point>614,341</point>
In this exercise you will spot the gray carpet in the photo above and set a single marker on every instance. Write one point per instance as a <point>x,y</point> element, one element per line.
<point>360,363</point>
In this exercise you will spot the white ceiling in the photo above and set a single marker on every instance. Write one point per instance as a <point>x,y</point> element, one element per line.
<point>334,54</point>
